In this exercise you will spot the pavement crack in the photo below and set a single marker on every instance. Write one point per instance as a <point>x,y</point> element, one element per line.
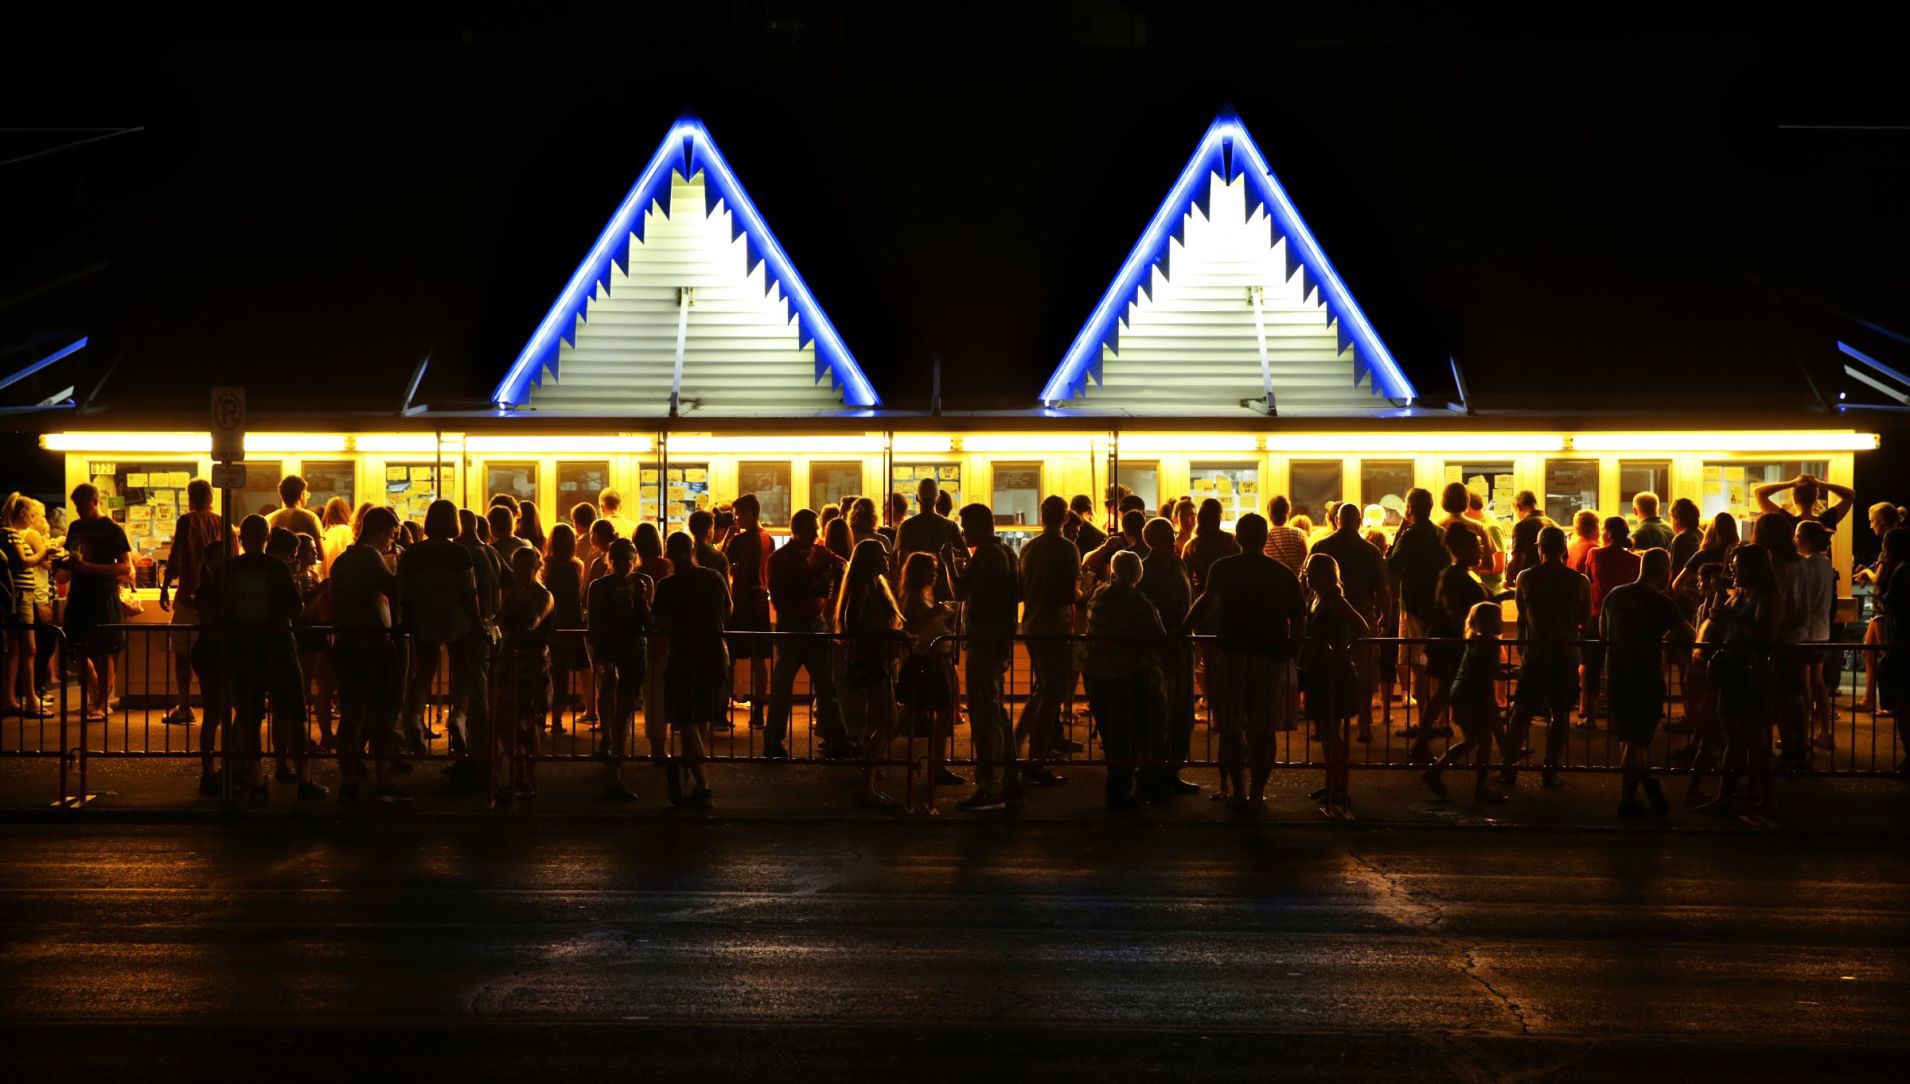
<point>1424,911</point>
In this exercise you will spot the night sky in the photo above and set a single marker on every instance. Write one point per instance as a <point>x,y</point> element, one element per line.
<point>1633,220</point>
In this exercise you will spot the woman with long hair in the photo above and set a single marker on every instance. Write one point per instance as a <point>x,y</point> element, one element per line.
<point>530,526</point>
<point>1328,678</point>
<point>928,678</point>
<point>17,540</point>
<point>866,613</point>
<point>650,559</point>
<point>563,576</point>
<point>1747,629</point>
<point>1475,704</point>
<point>335,534</point>
<point>1720,538</point>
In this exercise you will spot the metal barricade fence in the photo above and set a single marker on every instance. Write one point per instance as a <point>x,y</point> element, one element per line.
<point>36,729</point>
<point>1826,725</point>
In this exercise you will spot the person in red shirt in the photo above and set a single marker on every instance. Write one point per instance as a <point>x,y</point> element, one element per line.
<point>801,577</point>
<point>748,551</point>
<point>1610,565</point>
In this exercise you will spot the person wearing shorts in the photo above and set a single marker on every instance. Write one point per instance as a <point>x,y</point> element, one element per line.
<point>691,607</point>
<point>1555,602</point>
<point>618,635</point>
<point>748,551</point>
<point>1260,613</point>
<point>99,560</point>
<point>1634,622</point>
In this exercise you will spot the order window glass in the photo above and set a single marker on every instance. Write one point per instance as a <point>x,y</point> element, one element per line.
<point>411,487</point>
<point>579,482</point>
<point>686,489</point>
<point>326,480</point>
<point>1644,476</point>
<point>1144,481</point>
<point>830,482</point>
<point>517,479</point>
<point>1017,496</point>
<point>1385,482</point>
<point>905,476</point>
<point>260,494</point>
<point>1236,487</point>
<point>1727,485</point>
<point>1491,481</point>
<point>1571,485</point>
<point>1311,486</point>
<point>769,480</point>
<point>145,498</point>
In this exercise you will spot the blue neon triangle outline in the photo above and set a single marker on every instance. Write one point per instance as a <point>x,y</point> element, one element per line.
<point>687,148</point>
<point>1229,150</point>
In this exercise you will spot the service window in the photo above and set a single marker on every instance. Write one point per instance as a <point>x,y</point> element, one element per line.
<point>1236,487</point>
<point>1727,486</point>
<point>1637,476</point>
<point>1312,486</point>
<point>260,494</point>
<point>769,480</point>
<point>578,482</point>
<point>1017,496</point>
<point>1571,485</point>
<point>1491,481</point>
<point>905,476</point>
<point>326,480</point>
<point>1385,482</point>
<point>1144,481</point>
<point>144,498</point>
<point>519,480</point>
<point>830,482</point>
<point>685,487</point>
<point>411,487</point>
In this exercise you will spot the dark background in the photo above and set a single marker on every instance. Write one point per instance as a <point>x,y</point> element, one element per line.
<point>1683,219</point>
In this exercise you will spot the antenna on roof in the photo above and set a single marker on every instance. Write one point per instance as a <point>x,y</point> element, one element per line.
<point>1464,405</point>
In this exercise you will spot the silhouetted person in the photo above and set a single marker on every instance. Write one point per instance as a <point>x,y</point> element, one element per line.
<point>1417,557</point>
<point>986,585</point>
<point>1652,531</point>
<point>1258,610</point>
<point>524,686</point>
<point>1165,582</point>
<point>1475,706</point>
<point>692,608</point>
<point>1124,677</point>
<point>1635,623</point>
<point>620,627</point>
<point>802,580</point>
<point>1361,574</point>
<point>1328,675</point>
<point>370,678</point>
<point>748,552</point>
<point>196,531</point>
<point>1555,605</point>
<point>1050,567</point>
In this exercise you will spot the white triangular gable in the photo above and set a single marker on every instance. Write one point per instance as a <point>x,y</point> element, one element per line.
<point>742,344</point>
<point>1189,342</point>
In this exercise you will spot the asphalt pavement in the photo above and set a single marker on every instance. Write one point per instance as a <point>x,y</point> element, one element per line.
<point>272,948</point>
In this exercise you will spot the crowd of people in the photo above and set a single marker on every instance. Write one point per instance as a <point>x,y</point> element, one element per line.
<point>1271,624</point>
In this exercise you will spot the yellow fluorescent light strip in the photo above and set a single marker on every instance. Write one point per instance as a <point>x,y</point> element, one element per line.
<point>560,445</point>
<point>1742,441</point>
<point>850,444</point>
<point>1188,442</point>
<point>1363,443</point>
<point>1057,444</point>
<point>190,443</point>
